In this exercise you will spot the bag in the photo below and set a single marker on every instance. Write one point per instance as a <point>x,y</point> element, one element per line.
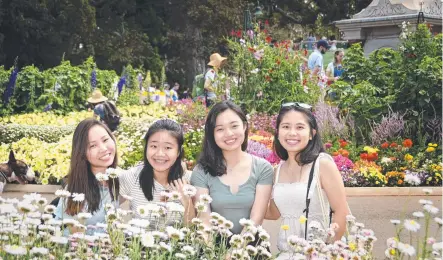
<point>308,200</point>
<point>321,199</point>
<point>111,115</point>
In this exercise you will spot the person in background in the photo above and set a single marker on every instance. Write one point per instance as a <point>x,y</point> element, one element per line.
<point>315,64</point>
<point>174,92</point>
<point>335,68</point>
<point>216,61</point>
<point>96,98</point>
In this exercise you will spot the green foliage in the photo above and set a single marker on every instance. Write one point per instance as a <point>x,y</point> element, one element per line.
<point>4,79</point>
<point>106,80</point>
<point>29,86</point>
<point>268,80</point>
<point>407,80</point>
<point>66,87</point>
<point>10,133</point>
<point>129,97</point>
<point>193,144</point>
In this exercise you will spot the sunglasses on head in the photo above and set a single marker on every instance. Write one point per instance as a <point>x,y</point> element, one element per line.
<point>297,104</point>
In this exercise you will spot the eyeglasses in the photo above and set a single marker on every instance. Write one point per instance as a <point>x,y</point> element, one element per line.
<point>297,104</point>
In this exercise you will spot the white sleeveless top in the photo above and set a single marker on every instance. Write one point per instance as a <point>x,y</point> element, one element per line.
<point>290,199</point>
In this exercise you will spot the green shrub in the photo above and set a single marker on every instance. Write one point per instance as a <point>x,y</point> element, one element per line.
<point>13,132</point>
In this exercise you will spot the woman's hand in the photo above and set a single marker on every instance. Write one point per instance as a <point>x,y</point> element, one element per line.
<point>177,185</point>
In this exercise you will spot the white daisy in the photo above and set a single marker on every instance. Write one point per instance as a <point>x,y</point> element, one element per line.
<point>205,198</point>
<point>201,207</point>
<point>59,240</point>
<point>431,209</point>
<point>189,190</point>
<point>439,221</point>
<point>411,225</point>
<point>78,197</point>
<point>62,193</point>
<point>101,177</point>
<point>39,251</point>
<point>189,250</point>
<point>406,249</point>
<point>15,250</point>
<point>147,239</point>
<point>418,214</point>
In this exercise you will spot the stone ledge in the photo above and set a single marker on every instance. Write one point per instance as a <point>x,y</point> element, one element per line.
<point>390,191</point>
<point>350,191</point>
<point>29,188</point>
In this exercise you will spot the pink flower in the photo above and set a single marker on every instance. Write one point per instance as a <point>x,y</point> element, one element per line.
<point>328,145</point>
<point>343,163</point>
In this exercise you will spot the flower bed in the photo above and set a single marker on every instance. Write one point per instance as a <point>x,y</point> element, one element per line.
<point>386,164</point>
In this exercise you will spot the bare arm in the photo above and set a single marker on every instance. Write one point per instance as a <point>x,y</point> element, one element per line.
<point>332,183</point>
<point>262,196</point>
<point>208,84</point>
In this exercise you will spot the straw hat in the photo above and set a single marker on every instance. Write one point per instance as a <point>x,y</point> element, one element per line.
<point>216,60</point>
<point>97,97</point>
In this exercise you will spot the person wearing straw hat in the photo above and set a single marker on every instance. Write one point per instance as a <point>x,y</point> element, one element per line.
<point>105,110</point>
<point>216,61</point>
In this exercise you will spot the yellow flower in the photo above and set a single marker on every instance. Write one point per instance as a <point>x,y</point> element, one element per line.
<point>430,149</point>
<point>285,227</point>
<point>432,145</point>
<point>370,149</point>
<point>302,219</point>
<point>45,181</point>
<point>352,246</point>
<point>408,157</point>
<point>392,251</point>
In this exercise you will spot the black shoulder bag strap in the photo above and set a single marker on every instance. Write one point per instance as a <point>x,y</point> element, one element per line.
<point>308,200</point>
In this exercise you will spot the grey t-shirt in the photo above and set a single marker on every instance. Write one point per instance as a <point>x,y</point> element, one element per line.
<point>234,206</point>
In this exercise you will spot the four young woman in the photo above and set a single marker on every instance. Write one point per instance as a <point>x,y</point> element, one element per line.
<point>307,184</point>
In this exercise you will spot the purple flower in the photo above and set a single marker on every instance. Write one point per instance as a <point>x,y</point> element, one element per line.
<point>343,163</point>
<point>140,80</point>
<point>93,79</point>
<point>120,84</point>
<point>11,85</point>
<point>258,149</point>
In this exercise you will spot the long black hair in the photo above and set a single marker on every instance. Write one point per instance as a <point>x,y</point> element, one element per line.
<point>314,147</point>
<point>80,176</point>
<point>211,158</point>
<point>146,177</point>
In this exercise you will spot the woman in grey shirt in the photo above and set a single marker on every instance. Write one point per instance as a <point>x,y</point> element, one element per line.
<point>239,183</point>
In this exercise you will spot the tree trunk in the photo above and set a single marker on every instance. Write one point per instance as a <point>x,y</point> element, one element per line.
<point>195,63</point>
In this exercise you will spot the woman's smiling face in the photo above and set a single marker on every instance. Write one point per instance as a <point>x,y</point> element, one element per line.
<point>294,132</point>
<point>162,151</point>
<point>229,131</point>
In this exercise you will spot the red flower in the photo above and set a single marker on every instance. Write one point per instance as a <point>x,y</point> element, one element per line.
<point>239,33</point>
<point>343,143</point>
<point>364,156</point>
<point>305,52</point>
<point>393,145</point>
<point>407,143</point>
<point>372,156</point>
<point>384,145</point>
<point>232,32</point>
<point>278,62</point>
<point>305,81</point>
<point>265,31</point>
<point>268,39</point>
<point>251,49</point>
<point>268,79</point>
<point>266,22</point>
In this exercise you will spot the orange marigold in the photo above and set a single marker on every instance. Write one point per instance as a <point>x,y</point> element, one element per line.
<point>394,144</point>
<point>407,143</point>
<point>384,145</point>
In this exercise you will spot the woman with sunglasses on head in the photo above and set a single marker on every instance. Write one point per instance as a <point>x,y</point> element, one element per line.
<point>239,183</point>
<point>298,142</point>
